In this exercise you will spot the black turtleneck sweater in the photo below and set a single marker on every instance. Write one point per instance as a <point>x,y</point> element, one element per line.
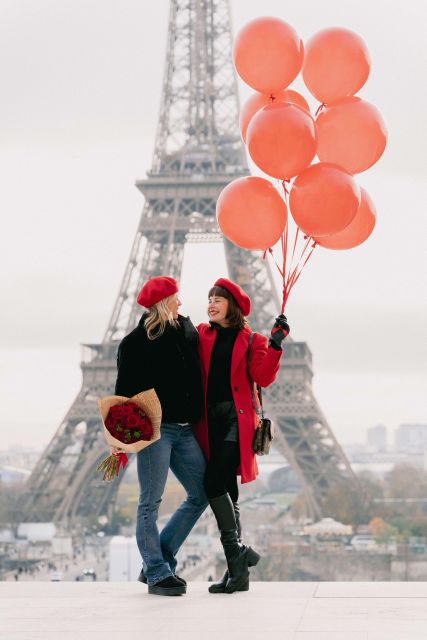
<point>219,385</point>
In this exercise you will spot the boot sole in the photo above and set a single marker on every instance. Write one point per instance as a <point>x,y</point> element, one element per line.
<point>242,585</point>
<point>162,591</point>
<point>218,589</point>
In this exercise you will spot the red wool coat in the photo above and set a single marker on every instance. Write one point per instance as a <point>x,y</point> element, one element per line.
<point>264,365</point>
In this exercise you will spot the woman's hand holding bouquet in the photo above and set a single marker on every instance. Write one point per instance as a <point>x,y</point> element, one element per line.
<point>130,424</point>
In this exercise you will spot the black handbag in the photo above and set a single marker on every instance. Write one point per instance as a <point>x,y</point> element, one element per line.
<point>263,435</point>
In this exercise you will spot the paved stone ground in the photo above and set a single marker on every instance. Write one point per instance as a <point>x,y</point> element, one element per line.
<point>270,611</point>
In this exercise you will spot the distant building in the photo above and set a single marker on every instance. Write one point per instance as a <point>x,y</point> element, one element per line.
<point>124,559</point>
<point>376,438</point>
<point>411,438</point>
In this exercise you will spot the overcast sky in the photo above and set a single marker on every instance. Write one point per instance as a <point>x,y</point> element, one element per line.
<point>80,84</point>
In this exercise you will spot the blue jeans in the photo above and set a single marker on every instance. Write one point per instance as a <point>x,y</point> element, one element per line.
<point>177,449</point>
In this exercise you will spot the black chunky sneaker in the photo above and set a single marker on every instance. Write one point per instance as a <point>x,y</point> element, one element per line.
<point>170,586</point>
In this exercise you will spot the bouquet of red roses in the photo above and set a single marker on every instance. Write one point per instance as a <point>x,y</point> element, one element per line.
<point>130,424</point>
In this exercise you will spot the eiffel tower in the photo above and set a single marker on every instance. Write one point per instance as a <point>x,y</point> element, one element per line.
<point>198,151</point>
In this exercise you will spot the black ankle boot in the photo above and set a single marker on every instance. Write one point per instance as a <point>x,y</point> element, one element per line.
<point>238,573</point>
<point>219,587</point>
<point>237,555</point>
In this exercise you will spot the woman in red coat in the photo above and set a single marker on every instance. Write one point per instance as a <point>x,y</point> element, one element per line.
<point>226,430</point>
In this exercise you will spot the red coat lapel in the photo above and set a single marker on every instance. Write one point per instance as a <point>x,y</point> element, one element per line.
<point>207,339</point>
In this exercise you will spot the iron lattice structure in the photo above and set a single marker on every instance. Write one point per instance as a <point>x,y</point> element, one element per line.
<point>198,151</point>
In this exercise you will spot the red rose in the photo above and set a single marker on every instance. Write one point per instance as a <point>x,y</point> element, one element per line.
<point>132,421</point>
<point>110,421</point>
<point>127,408</point>
<point>147,429</point>
<point>128,423</point>
<point>114,411</point>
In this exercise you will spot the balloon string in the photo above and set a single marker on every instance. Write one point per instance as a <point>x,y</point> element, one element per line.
<point>284,255</point>
<point>270,251</point>
<point>294,273</point>
<point>286,277</point>
<point>285,189</point>
<point>293,251</point>
<point>297,275</point>
<point>320,108</point>
<point>307,238</point>
<point>284,241</point>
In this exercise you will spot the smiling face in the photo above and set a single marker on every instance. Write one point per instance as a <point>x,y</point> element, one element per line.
<point>174,303</point>
<point>218,309</point>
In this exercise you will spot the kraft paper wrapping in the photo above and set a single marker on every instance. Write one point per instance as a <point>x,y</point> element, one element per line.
<point>149,403</point>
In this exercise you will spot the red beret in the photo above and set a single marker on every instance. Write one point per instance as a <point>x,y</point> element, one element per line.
<point>242,298</point>
<point>157,289</point>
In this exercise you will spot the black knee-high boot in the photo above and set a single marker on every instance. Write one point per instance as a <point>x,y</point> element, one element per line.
<point>237,555</point>
<point>219,587</point>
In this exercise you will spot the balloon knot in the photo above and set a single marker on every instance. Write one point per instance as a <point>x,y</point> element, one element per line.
<point>272,98</point>
<point>314,244</point>
<point>284,185</point>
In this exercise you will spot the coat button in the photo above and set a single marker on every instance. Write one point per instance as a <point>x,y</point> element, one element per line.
<point>240,410</point>
<point>235,388</point>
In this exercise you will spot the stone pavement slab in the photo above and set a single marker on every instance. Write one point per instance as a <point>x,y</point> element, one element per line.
<point>278,610</point>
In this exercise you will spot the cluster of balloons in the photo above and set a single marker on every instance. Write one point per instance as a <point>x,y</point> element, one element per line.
<point>347,134</point>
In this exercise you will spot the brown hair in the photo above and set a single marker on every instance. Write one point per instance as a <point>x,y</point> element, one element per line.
<point>234,317</point>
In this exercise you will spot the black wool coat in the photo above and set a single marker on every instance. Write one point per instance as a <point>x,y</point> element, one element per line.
<point>169,364</point>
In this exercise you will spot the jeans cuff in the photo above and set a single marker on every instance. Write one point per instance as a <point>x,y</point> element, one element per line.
<point>158,579</point>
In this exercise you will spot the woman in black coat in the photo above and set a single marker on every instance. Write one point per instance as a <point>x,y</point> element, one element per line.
<point>162,353</point>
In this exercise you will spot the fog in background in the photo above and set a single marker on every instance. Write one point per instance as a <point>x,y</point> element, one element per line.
<point>81,85</point>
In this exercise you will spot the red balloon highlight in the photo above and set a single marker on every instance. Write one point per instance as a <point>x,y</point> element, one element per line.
<point>268,54</point>
<point>352,134</point>
<point>251,213</point>
<point>281,140</point>
<point>324,199</point>
<point>336,64</point>
<point>259,100</point>
<point>359,229</point>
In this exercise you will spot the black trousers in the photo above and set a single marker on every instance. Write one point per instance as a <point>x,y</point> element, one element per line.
<point>220,476</point>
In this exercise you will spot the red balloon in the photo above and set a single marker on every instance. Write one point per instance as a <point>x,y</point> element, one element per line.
<point>268,54</point>
<point>258,100</point>
<point>359,229</point>
<point>351,133</point>
<point>324,199</point>
<point>281,139</point>
<point>336,64</point>
<point>251,213</point>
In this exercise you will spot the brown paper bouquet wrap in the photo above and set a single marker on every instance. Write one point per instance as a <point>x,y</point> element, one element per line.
<point>134,438</point>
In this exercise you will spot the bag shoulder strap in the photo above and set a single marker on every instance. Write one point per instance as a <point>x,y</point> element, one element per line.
<point>259,410</point>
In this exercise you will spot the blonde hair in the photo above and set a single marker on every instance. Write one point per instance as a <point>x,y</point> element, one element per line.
<point>159,316</point>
